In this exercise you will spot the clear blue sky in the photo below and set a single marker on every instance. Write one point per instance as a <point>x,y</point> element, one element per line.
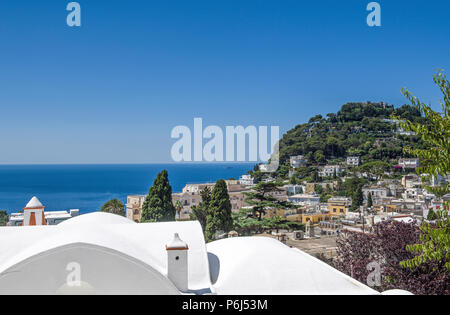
<point>112,90</point>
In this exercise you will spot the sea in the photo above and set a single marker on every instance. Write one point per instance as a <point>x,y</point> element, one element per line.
<point>88,187</point>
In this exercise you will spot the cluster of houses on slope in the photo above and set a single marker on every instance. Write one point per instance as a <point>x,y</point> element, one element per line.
<point>328,171</point>
<point>391,199</point>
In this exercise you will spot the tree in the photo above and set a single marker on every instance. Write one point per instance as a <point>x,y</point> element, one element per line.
<point>318,189</point>
<point>386,246</point>
<point>431,215</point>
<point>178,208</point>
<point>3,218</point>
<point>114,206</point>
<point>275,223</point>
<point>315,176</point>
<point>261,198</point>
<point>319,156</point>
<point>219,214</point>
<point>434,242</point>
<point>245,224</point>
<point>293,180</point>
<point>158,206</point>
<point>357,199</point>
<point>200,212</point>
<point>369,200</point>
<point>435,132</point>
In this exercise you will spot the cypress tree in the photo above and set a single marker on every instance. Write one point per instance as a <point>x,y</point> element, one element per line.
<point>369,200</point>
<point>158,206</point>
<point>357,199</point>
<point>200,212</point>
<point>219,214</point>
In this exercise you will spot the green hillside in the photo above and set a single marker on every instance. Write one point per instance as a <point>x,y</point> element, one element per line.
<point>357,129</point>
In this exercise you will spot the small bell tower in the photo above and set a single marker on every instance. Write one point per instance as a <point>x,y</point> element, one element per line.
<point>33,213</point>
<point>177,263</point>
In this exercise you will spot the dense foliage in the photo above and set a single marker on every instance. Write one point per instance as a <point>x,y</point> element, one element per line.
<point>361,129</point>
<point>387,248</point>
<point>434,242</point>
<point>3,218</point>
<point>200,211</point>
<point>158,206</point>
<point>261,198</point>
<point>246,224</point>
<point>114,206</point>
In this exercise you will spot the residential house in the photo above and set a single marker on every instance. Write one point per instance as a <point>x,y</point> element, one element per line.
<point>246,180</point>
<point>330,170</point>
<point>353,161</point>
<point>338,205</point>
<point>302,199</point>
<point>409,163</point>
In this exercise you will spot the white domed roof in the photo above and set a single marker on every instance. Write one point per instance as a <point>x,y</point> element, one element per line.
<point>34,203</point>
<point>98,218</point>
<point>262,266</point>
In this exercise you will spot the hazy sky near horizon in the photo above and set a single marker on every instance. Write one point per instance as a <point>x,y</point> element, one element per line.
<point>112,90</point>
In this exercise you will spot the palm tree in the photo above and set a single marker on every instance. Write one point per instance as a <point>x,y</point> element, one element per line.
<point>178,208</point>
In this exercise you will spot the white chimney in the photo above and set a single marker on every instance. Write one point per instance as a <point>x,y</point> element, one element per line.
<point>177,263</point>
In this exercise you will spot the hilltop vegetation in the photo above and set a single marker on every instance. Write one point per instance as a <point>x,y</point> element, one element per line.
<point>357,129</point>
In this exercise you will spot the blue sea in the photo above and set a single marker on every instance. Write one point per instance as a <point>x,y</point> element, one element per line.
<point>88,187</point>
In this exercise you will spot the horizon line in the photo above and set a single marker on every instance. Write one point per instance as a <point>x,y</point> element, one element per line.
<point>143,163</point>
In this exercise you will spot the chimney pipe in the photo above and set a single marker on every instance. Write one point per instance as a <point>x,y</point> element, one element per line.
<point>177,263</point>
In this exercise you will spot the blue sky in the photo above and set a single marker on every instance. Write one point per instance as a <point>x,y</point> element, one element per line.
<point>112,90</point>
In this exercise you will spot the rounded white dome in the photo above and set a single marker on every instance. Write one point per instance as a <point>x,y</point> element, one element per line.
<point>98,218</point>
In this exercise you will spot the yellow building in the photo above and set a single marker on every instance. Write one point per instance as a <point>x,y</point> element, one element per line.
<point>313,217</point>
<point>338,206</point>
<point>297,215</point>
<point>387,208</point>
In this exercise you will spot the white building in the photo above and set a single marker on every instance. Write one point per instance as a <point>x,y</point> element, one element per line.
<point>294,189</point>
<point>353,161</point>
<point>34,214</point>
<point>101,253</point>
<point>304,199</point>
<point>246,180</point>
<point>330,170</point>
<point>413,193</point>
<point>409,163</point>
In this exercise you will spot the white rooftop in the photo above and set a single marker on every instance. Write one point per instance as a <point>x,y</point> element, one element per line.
<point>34,203</point>
<point>117,256</point>
<point>259,265</point>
